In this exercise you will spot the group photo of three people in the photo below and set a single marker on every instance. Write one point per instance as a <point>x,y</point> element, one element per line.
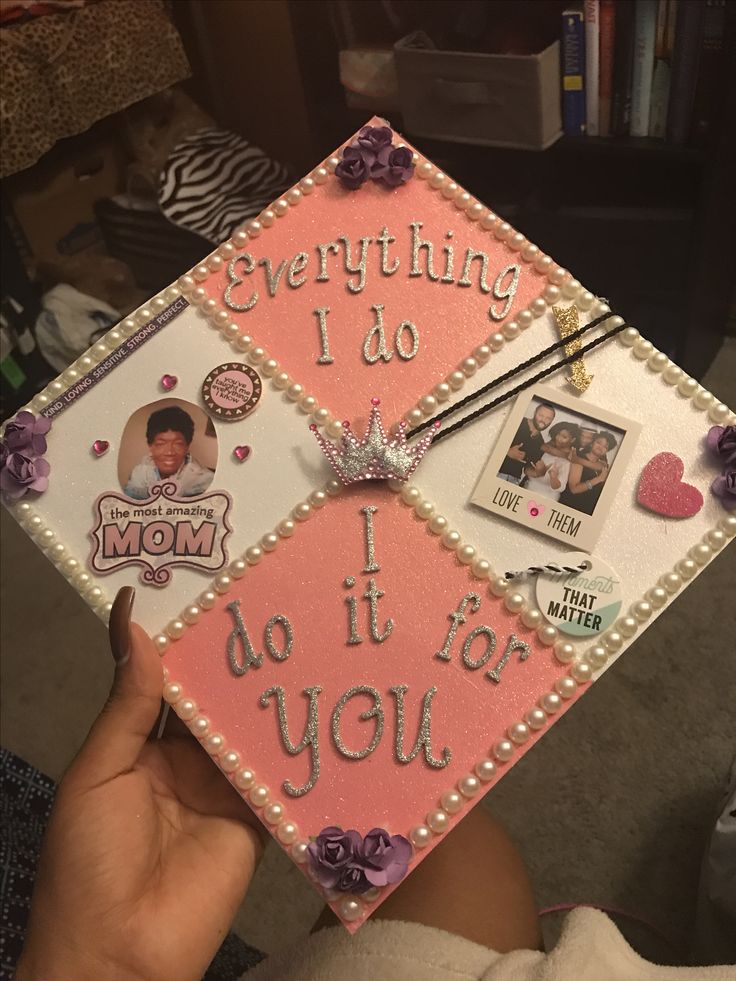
<point>564,459</point>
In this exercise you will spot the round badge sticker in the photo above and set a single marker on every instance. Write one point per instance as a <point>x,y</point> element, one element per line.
<point>581,604</point>
<point>231,390</point>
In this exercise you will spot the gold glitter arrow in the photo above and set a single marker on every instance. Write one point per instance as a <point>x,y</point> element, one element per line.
<point>567,323</point>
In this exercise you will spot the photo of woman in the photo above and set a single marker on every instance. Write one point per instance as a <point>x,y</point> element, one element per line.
<point>167,440</point>
<point>549,475</point>
<point>588,474</point>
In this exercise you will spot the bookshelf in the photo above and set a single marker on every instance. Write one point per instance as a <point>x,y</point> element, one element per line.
<point>641,221</point>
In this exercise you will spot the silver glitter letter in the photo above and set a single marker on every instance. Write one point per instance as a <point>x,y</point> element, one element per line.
<point>249,264</point>
<point>504,292</point>
<point>272,278</point>
<point>377,329</point>
<point>416,244</point>
<point>424,736</point>
<point>384,240</point>
<point>474,663</point>
<point>310,737</point>
<point>513,644</point>
<point>449,250</point>
<point>352,602</point>
<point>373,594</point>
<point>333,247</point>
<point>359,267</point>
<point>240,667</point>
<point>406,355</point>
<point>373,713</point>
<point>298,264</point>
<point>370,545</point>
<point>321,315</point>
<point>464,280</point>
<point>456,619</point>
<point>276,654</point>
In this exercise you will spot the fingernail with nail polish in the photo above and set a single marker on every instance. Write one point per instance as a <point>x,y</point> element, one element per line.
<point>119,626</point>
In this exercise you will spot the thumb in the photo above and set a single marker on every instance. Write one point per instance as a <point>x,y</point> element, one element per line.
<point>118,735</point>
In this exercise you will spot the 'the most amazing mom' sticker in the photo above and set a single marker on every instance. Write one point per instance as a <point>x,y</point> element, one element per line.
<point>231,390</point>
<point>581,604</point>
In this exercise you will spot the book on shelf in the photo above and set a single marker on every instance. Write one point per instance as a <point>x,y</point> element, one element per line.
<point>607,16</point>
<point>663,48</point>
<point>573,73</point>
<point>645,18</point>
<point>688,32</point>
<point>623,58</point>
<point>591,19</point>
<point>712,62</point>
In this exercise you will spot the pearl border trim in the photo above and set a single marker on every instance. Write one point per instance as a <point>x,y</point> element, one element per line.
<point>672,374</point>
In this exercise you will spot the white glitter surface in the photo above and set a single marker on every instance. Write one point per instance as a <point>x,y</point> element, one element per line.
<point>284,467</point>
<point>641,546</point>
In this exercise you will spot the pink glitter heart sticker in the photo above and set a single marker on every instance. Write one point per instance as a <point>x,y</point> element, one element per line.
<point>168,382</point>
<point>100,447</point>
<point>662,489</point>
<point>535,509</point>
<point>242,453</point>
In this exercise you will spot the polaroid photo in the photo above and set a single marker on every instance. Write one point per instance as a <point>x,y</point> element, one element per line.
<point>557,466</point>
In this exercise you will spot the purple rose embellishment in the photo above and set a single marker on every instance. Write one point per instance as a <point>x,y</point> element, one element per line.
<point>26,432</point>
<point>331,854</point>
<point>385,857</point>
<point>724,488</point>
<point>372,154</point>
<point>345,861</point>
<point>721,440</point>
<point>352,170</point>
<point>372,139</point>
<point>22,467</point>
<point>394,166</point>
<point>353,879</point>
<point>21,473</point>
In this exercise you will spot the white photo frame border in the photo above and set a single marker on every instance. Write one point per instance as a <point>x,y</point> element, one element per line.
<point>584,529</point>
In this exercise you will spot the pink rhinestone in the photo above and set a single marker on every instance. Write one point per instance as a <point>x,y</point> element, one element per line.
<point>375,401</point>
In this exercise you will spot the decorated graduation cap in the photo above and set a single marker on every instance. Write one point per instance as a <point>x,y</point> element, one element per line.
<point>366,630</point>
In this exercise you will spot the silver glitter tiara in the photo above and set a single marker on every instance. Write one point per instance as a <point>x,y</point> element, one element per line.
<point>375,456</point>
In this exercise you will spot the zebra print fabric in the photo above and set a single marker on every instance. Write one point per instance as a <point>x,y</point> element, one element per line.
<point>215,180</point>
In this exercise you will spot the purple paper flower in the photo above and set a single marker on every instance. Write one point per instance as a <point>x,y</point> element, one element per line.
<point>26,432</point>
<point>352,170</point>
<point>353,879</point>
<point>22,472</point>
<point>345,861</point>
<point>721,440</point>
<point>724,488</point>
<point>384,857</point>
<point>331,853</point>
<point>393,165</point>
<point>371,140</point>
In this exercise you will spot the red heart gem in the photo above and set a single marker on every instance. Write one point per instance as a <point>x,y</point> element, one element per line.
<point>242,452</point>
<point>169,381</point>
<point>100,446</point>
<point>662,490</point>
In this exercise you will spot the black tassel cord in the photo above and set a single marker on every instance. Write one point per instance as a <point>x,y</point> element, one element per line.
<point>519,369</point>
